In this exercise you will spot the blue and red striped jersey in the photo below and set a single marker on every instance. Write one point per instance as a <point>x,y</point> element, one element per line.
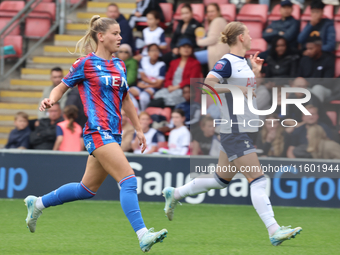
<point>102,87</point>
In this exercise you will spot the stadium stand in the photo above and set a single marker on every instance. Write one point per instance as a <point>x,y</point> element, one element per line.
<point>8,9</point>
<point>228,11</point>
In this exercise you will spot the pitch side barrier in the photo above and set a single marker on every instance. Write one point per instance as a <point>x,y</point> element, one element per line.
<point>291,182</point>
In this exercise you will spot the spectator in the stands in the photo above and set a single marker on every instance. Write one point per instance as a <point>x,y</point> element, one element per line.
<point>282,61</point>
<point>316,63</point>
<point>128,131</point>
<point>112,12</point>
<point>179,137</point>
<point>179,74</point>
<point>319,26</point>
<point>191,109</point>
<point>143,8</point>
<point>297,141</point>
<point>125,53</point>
<point>264,95</point>
<point>185,28</point>
<point>19,136</point>
<point>73,98</point>
<point>152,74</point>
<point>295,113</point>
<point>215,49</point>
<point>56,76</point>
<point>320,146</point>
<point>68,132</point>
<point>271,138</point>
<point>153,34</point>
<point>287,26</point>
<point>152,136</point>
<point>44,135</point>
<point>205,142</point>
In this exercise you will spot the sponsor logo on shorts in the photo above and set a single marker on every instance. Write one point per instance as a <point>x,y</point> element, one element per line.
<point>107,136</point>
<point>88,146</point>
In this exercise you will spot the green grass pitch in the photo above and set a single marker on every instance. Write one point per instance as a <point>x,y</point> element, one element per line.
<point>100,227</point>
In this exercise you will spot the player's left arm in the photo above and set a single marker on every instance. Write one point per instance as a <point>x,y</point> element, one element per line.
<point>55,96</point>
<point>131,113</point>
<point>256,64</point>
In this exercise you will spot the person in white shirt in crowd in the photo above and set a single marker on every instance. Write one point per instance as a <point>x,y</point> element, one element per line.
<point>152,75</point>
<point>153,34</point>
<point>179,138</point>
<point>152,136</point>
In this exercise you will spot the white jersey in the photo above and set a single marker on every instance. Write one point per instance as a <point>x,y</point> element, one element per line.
<point>152,137</point>
<point>155,36</point>
<point>153,72</point>
<point>234,70</point>
<point>179,141</point>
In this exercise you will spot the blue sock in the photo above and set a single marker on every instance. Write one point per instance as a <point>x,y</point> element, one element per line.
<point>129,202</point>
<point>67,193</point>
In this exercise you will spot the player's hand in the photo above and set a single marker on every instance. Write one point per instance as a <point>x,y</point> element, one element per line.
<point>142,140</point>
<point>256,62</point>
<point>245,91</point>
<point>45,104</point>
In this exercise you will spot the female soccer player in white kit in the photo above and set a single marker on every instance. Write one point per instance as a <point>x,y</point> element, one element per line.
<point>237,147</point>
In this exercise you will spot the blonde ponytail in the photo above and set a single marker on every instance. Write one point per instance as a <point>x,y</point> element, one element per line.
<point>231,31</point>
<point>89,41</point>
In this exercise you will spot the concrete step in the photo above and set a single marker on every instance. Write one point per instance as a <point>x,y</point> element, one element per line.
<point>124,8</point>
<point>8,120</point>
<point>3,142</point>
<point>59,51</point>
<point>66,40</point>
<point>6,129</point>
<point>13,108</point>
<point>41,83</point>
<point>76,28</point>
<point>88,15</point>
<point>50,62</point>
<point>38,74</point>
<point>11,96</point>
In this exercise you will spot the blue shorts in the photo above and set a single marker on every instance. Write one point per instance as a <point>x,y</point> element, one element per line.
<point>238,145</point>
<point>99,138</point>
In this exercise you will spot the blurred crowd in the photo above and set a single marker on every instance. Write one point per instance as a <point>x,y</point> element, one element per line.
<point>159,72</point>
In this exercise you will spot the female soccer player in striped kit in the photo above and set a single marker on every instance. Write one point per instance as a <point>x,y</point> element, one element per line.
<point>102,85</point>
<point>237,147</point>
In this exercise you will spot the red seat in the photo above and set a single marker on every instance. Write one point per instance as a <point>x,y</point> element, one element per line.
<point>255,29</point>
<point>14,6</point>
<point>258,44</point>
<point>228,11</point>
<point>42,17</point>
<point>167,10</point>
<point>275,14</point>
<point>253,12</point>
<point>337,15</point>
<point>197,10</point>
<point>332,116</point>
<point>16,42</point>
<point>8,9</point>
<point>337,31</point>
<point>166,112</point>
<point>219,2</point>
<point>337,67</point>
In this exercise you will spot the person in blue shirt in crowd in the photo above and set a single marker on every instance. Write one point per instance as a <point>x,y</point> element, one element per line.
<point>319,26</point>
<point>19,136</point>
<point>112,12</point>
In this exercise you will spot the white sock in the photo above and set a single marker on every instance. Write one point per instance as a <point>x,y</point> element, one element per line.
<point>262,204</point>
<point>39,204</point>
<point>141,232</point>
<point>199,185</point>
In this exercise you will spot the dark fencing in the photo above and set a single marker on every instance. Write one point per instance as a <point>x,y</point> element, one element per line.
<point>37,172</point>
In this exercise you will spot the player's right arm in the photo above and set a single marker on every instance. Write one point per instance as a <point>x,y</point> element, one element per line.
<point>76,75</point>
